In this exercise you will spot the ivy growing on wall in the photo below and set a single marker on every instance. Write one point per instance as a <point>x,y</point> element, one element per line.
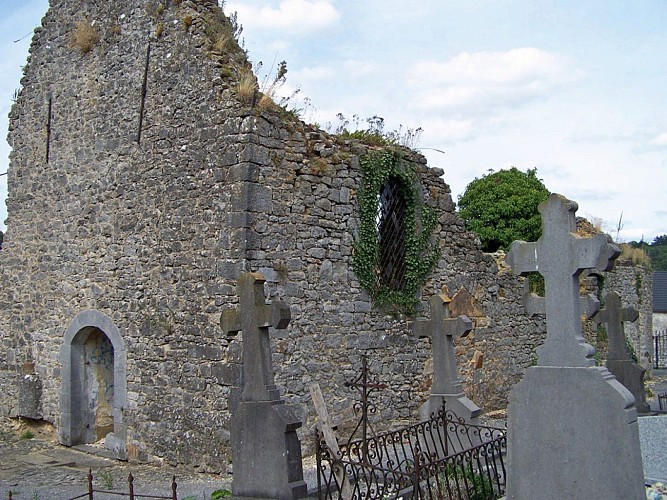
<point>421,254</point>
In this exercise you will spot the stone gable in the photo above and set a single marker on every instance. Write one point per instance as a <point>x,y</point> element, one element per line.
<point>141,186</point>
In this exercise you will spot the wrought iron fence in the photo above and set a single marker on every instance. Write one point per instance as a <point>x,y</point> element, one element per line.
<point>442,458</point>
<point>90,494</point>
<point>660,350</point>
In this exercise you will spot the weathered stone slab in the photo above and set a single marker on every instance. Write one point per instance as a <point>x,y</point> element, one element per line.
<point>30,397</point>
<point>573,433</point>
<point>653,439</point>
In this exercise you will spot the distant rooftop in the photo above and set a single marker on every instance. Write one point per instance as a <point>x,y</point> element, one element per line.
<point>660,292</point>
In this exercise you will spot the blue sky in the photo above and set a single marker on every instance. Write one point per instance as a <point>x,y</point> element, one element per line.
<point>574,89</point>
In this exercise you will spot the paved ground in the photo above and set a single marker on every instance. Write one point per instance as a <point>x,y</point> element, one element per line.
<point>41,469</point>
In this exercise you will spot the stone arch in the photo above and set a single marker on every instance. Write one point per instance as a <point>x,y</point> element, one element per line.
<point>91,329</point>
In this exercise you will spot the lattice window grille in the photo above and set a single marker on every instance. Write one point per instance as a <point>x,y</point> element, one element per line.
<point>390,224</point>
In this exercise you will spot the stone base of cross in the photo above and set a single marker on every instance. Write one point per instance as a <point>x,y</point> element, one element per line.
<point>572,427</point>
<point>266,451</point>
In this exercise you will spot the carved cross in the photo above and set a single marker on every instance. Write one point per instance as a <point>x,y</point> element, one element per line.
<point>442,329</point>
<point>560,256</point>
<point>254,317</point>
<point>614,316</point>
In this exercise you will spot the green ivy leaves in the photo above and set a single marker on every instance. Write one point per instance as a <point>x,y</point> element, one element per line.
<point>419,224</point>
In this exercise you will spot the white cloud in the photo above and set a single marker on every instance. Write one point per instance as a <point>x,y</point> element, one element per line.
<point>489,79</point>
<point>442,131</point>
<point>313,74</point>
<point>660,140</point>
<point>294,15</point>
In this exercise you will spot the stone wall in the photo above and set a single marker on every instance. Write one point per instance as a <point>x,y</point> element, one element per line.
<point>147,220</point>
<point>634,284</point>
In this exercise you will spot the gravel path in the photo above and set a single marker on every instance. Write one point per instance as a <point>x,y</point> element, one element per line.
<point>41,469</point>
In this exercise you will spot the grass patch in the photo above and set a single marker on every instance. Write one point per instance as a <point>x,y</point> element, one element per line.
<point>27,435</point>
<point>247,86</point>
<point>84,37</point>
<point>635,255</point>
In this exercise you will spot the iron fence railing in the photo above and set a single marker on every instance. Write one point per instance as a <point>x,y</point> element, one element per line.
<point>90,494</point>
<point>442,458</point>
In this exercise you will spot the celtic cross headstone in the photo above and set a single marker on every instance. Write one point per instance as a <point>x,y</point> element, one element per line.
<point>620,364</point>
<point>572,427</point>
<point>266,451</point>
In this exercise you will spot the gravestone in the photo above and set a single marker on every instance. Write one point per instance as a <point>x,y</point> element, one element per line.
<point>442,329</point>
<point>266,450</point>
<point>619,363</point>
<point>572,427</point>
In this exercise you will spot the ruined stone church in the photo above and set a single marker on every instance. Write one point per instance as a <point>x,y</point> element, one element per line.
<point>143,181</point>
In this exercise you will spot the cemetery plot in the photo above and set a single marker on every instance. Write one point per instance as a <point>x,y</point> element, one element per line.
<point>442,457</point>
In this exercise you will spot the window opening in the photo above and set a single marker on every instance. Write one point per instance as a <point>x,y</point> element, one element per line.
<point>390,223</point>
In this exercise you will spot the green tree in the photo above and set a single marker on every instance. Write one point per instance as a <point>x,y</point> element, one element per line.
<point>658,253</point>
<point>502,207</point>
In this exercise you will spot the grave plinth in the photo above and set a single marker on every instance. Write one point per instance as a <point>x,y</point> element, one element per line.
<point>266,451</point>
<point>572,427</point>
<point>619,363</point>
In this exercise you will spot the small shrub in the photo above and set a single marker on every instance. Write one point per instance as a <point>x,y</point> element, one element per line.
<point>218,494</point>
<point>27,435</point>
<point>601,333</point>
<point>247,86</point>
<point>159,30</point>
<point>107,479</point>
<point>84,37</point>
<point>159,9</point>
<point>187,21</point>
<point>222,41</point>
<point>319,166</point>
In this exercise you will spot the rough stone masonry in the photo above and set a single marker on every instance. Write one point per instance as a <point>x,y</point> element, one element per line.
<point>141,185</point>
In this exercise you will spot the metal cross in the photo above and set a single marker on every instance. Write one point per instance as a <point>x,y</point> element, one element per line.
<point>254,317</point>
<point>560,256</point>
<point>364,387</point>
<point>614,316</point>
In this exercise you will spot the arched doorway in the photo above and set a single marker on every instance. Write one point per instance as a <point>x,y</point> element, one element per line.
<point>94,387</point>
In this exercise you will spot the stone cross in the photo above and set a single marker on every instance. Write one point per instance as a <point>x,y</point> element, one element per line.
<point>614,316</point>
<point>442,329</point>
<point>560,256</point>
<point>253,317</point>
<point>535,304</point>
<point>266,450</point>
<point>619,363</point>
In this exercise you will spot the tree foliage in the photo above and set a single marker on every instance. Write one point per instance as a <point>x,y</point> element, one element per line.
<point>657,251</point>
<point>502,207</point>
